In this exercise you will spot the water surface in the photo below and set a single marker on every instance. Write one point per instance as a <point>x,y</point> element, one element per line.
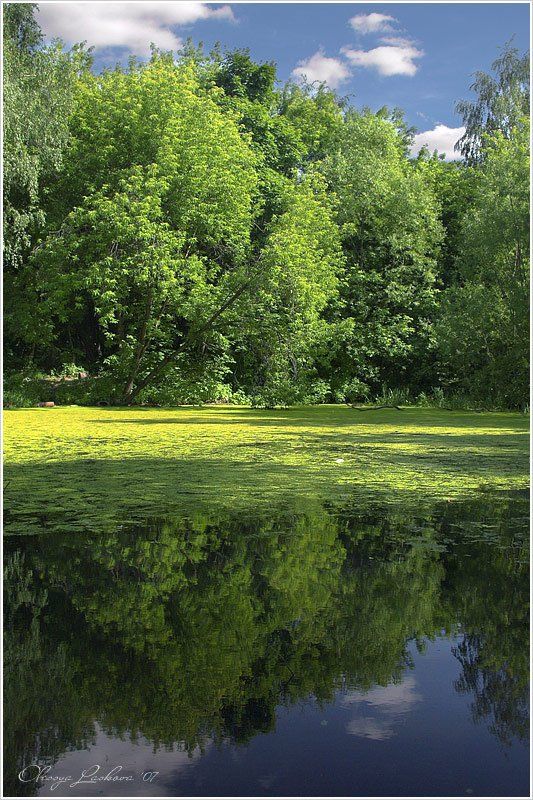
<point>367,649</point>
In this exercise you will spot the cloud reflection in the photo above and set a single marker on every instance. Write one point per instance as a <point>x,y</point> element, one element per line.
<point>385,704</point>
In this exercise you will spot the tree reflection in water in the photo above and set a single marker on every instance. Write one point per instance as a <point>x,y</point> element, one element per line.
<point>192,630</point>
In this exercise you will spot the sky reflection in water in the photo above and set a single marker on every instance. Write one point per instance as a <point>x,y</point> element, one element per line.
<point>346,651</point>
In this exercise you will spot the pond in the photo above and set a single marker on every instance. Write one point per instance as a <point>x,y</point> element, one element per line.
<point>359,649</point>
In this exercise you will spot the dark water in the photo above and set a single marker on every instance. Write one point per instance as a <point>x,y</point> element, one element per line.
<point>347,651</point>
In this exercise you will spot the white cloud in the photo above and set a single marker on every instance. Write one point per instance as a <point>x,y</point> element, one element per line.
<point>397,41</point>
<point>372,23</point>
<point>441,138</point>
<point>319,67</point>
<point>395,697</point>
<point>378,711</point>
<point>387,60</point>
<point>129,25</point>
<point>368,728</point>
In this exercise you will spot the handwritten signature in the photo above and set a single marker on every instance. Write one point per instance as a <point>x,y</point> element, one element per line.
<point>35,773</point>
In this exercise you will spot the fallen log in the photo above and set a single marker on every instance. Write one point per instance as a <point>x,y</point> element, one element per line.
<point>372,408</point>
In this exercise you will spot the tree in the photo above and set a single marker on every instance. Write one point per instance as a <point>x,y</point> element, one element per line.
<point>316,114</point>
<point>239,76</point>
<point>156,235</point>
<point>302,259</point>
<point>502,99</point>
<point>452,183</point>
<point>483,332</point>
<point>157,206</point>
<point>39,86</point>
<point>167,228</point>
<point>388,217</point>
<point>249,93</point>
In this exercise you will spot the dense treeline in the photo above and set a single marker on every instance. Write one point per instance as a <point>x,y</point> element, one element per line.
<point>182,230</point>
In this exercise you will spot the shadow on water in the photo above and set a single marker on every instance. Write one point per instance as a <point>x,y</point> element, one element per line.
<point>342,417</point>
<point>93,470</point>
<point>205,631</point>
<point>91,494</point>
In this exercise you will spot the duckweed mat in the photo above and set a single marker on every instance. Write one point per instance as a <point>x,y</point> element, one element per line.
<point>73,468</point>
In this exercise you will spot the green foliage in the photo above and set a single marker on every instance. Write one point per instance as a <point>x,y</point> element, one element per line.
<point>160,240</point>
<point>502,101</point>
<point>17,398</point>
<point>69,370</point>
<point>191,232</point>
<point>186,385</point>
<point>239,76</point>
<point>39,83</point>
<point>388,218</point>
<point>21,391</point>
<point>302,258</point>
<point>393,397</point>
<point>316,114</point>
<point>483,332</point>
<point>453,185</point>
<point>36,78</point>
<point>161,228</point>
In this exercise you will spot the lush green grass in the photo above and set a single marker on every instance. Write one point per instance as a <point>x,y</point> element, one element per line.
<point>94,468</point>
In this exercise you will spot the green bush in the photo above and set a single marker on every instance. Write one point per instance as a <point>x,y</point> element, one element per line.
<point>14,398</point>
<point>84,392</point>
<point>68,371</point>
<point>22,391</point>
<point>181,390</point>
<point>394,397</point>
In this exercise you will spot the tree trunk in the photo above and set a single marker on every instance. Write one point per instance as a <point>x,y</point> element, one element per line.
<point>140,350</point>
<point>131,390</point>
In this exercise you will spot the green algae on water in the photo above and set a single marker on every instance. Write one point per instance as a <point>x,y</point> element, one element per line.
<point>73,468</point>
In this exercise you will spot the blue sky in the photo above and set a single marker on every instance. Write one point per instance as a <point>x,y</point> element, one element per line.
<point>419,56</point>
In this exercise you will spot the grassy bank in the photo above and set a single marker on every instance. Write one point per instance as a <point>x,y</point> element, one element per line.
<point>94,468</point>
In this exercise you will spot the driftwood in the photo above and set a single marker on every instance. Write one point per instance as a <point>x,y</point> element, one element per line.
<point>372,408</point>
<point>436,408</point>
